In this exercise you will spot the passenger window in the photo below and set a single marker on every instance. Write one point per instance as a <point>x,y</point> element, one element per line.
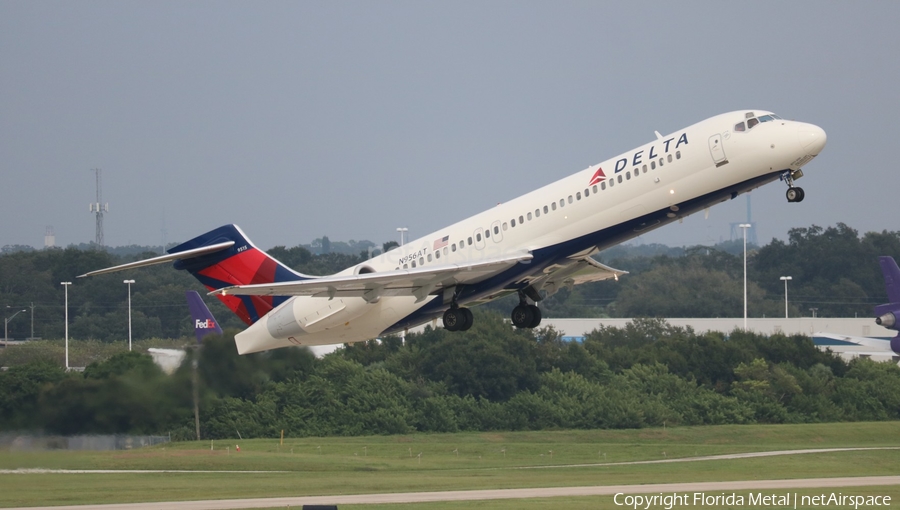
<point>660,161</point>
<point>603,185</point>
<point>739,126</point>
<point>496,230</point>
<point>405,266</point>
<point>413,263</point>
<point>421,261</point>
<point>437,254</point>
<point>429,257</point>
<point>529,216</point>
<point>505,227</point>
<point>570,199</point>
<point>595,188</point>
<point>537,213</point>
<point>546,209</point>
<point>562,203</point>
<point>669,157</point>
<point>453,247</point>
<point>487,232</point>
<point>470,241</point>
<point>612,182</point>
<point>521,219</point>
<point>513,222</point>
<point>578,196</point>
<point>445,250</point>
<point>478,237</point>
<point>620,179</point>
<point>677,154</point>
<point>628,176</point>
<point>653,165</point>
<point>553,206</point>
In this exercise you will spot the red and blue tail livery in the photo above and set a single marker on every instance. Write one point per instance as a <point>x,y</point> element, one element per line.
<point>241,263</point>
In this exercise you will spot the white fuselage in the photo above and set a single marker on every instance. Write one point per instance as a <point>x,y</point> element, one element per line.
<point>595,208</point>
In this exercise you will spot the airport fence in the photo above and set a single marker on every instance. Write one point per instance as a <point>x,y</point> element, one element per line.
<point>35,442</point>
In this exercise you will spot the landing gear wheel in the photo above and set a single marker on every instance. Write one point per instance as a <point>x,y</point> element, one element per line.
<point>458,319</point>
<point>523,316</point>
<point>794,194</point>
<point>454,319</point>
<point>536,320</point>
<point>469,319</point>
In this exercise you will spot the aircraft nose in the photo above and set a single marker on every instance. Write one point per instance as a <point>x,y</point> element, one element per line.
<point>812,138</point>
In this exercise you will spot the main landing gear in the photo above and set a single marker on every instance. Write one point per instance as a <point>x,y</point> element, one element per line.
<point>525,315</point>
<point>458,319</point>
<point>794,193</point>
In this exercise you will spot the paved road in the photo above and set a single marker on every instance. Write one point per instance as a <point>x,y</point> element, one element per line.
<point>424,497</point>
<point>474,495</point>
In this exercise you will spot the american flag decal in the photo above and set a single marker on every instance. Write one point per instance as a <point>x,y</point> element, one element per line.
<point>440,243</point>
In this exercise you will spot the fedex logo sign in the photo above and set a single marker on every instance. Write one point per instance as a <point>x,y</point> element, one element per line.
<point>207,324</point>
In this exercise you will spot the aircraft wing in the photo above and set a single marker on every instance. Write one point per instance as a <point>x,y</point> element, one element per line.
<point>419,282</point>
<point>574,272</point>
<point>876,344</point>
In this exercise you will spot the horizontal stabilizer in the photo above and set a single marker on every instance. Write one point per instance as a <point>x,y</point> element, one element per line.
<point>163,258</point>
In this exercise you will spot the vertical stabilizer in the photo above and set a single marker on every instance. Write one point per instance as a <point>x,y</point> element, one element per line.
<point>204,322</point>
<point>891,278</point>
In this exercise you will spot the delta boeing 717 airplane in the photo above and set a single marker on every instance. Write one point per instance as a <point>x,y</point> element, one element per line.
<point>531,246</point>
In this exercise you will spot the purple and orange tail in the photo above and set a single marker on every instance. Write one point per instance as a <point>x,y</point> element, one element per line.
<point>204,322</point>
<point>241,263</point>
<point>887,315</point>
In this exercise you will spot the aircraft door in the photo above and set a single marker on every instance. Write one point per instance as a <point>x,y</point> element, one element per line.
<point>496,232</point>
<point>479,238</point>
<point>717,150</point>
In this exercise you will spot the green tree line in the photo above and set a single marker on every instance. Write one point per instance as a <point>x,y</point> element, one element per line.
<point>834,269</point>
<point>492,377</point>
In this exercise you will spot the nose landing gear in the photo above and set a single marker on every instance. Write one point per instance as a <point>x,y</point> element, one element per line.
<point>794,193</point>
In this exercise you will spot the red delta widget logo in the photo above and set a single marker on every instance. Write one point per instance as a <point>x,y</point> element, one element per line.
<point>598,176</point>
<point>207,324</point>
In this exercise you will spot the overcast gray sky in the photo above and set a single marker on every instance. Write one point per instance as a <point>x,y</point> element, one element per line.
<point>350,119</point>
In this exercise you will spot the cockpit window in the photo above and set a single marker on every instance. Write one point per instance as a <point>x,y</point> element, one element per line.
<point>753,121</point>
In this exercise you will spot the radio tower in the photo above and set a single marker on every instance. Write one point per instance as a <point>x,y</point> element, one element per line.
<point>99,208</point>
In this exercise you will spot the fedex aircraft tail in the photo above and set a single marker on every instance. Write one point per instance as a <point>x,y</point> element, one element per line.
<point>204,322</point>
<point>886,315</point>
<point>238,262</point>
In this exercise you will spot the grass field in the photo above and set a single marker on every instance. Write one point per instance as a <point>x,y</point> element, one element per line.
<point>379,464</point>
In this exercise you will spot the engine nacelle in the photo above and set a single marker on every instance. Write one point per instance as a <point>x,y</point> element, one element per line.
<point>304,315</point>
<point>888,320</point>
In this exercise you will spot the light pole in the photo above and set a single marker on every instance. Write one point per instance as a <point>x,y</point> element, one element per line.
<point>745,226</point>
<point>129,282</point>
<point>6,326</point>
<point>66,286</point>
<point>402,231</point>
<point>785,280</point>
<point>813,310</point>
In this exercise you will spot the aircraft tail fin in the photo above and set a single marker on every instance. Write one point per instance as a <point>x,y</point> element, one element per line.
<point>887,315</point>
<point>222,258</point>
<point>204,322</point>
<point>238,263</point>
<point>891,278</point>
